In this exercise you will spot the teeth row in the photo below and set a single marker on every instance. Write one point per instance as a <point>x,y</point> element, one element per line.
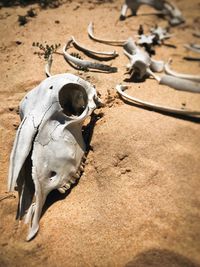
<point>76,176</point>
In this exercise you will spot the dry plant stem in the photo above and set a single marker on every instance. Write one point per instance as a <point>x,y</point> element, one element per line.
<point>84,63</point>
<point>109,42</point>
<point>120,89</point>
<point>194,48</point>
<point>180,75</point>
<point>112,54</point>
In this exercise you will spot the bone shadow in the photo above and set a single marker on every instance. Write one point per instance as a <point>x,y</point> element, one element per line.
<point>161,258</point>
<point>87,133</point>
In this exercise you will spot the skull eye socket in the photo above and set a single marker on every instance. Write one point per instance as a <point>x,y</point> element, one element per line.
<point>73,99</point>
<point>52,175</point>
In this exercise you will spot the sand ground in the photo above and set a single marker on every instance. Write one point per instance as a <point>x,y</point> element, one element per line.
<point>137,203</point>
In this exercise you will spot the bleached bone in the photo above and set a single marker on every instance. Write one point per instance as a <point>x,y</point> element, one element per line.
<point>169,71</point>
<point>172,13</point>
<point>120,89</point>
<point>49,146</point>
<point>48,66</point>
<point>85,64</point>
<point>142,66</point>
<point>160,33</point>
<point>90,30</point>
<point>112,54</point>
<point>193,47</point>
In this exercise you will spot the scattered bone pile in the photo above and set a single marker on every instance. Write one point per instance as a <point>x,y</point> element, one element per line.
<point>55,123</point>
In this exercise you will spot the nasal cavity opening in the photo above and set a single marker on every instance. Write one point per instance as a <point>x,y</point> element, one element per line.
<point>73,99</point>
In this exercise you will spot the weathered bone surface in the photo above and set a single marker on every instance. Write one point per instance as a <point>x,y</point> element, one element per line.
<point>49,147</point>
<point>85,64</point>
<point>171,12</point>
<point>121,88</point>
<point>142,66</point>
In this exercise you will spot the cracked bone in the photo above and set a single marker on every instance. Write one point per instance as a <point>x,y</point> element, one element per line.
<point>49,146</point>
<point>85,64</point>
<point>121,88</point>
<point>142,66</point>
<point>172,13</point>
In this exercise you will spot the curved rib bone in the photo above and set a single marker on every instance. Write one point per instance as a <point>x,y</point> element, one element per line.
<point>120,89</point>
<point>110,42</point>
<point>112,54</point>
<point>193,47</point>
<point>180,75</point>
<point>85,64</point>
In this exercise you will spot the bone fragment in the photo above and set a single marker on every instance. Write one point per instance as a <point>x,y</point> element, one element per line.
<point>169,71</point>
<point>112,54</point>
<point>121,88</point>
<point>110,42</point>
<point>86,64</point>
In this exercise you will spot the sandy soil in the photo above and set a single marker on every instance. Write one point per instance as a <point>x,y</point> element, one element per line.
<point>138,202</point>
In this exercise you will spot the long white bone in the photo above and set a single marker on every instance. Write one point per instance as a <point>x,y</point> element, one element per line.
<point>121,88</point>
<point>49,146</point>
<point>169,71</point>
<point>110,42</point>
<point>172,13</point>
<point>85,64</point>
<point>112,54</point>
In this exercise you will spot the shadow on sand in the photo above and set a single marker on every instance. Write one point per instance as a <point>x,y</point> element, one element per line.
<point>161,258</point>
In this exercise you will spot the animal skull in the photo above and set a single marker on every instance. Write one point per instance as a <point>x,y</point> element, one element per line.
<point>49,146</point>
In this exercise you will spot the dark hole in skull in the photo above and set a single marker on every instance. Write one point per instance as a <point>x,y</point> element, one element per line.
<point>73,99</point>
